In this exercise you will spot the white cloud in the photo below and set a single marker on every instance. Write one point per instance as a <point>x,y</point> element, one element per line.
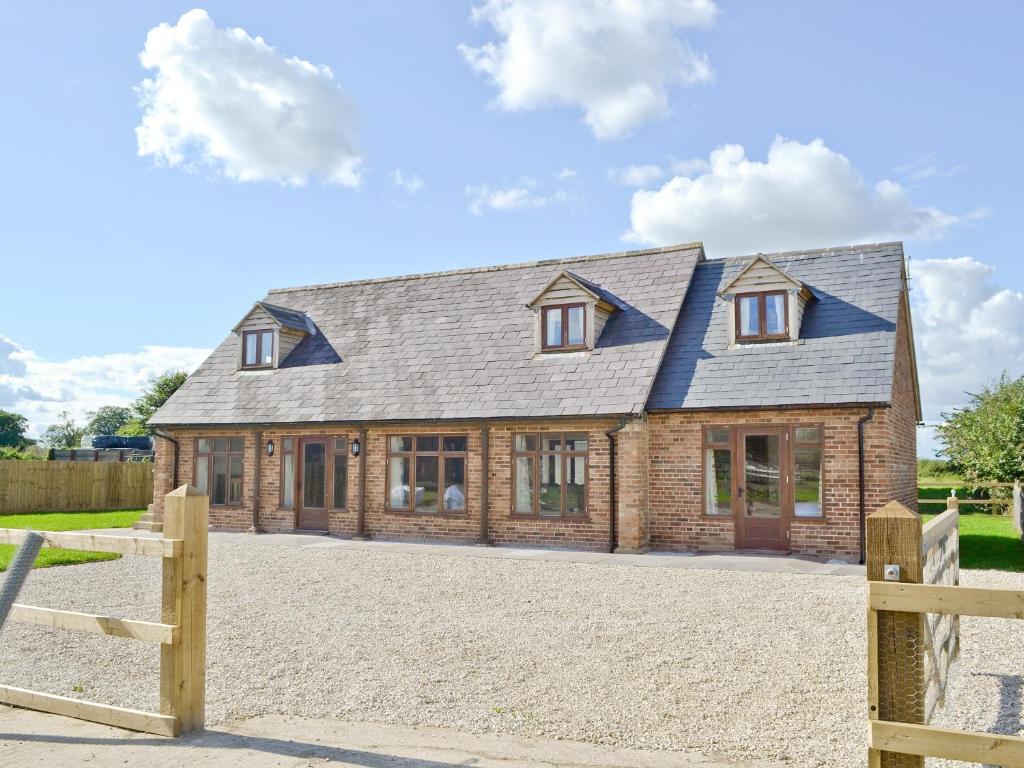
<point>803,195</point>
<point>525,193</point>
<point>566,174</point>
<point>636,175</point>
<point>40,389</point>
<point>241,107</point>
<point>927,167</point>
<point>410,184</point>
<point>614,59</point>
<point>968,330</point>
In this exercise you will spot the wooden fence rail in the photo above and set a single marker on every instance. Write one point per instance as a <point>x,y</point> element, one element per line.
<point>65,486</point>
<point>181,633</point>
<point>914,608</point>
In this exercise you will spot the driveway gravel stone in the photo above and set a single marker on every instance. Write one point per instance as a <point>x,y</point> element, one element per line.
<point>740,664</point>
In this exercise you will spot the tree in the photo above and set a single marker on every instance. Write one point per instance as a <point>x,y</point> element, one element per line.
<point>107,420</point>
<point>985,440</point>
<point>12,429</point>
<point>160,388</point>
<point>66,433</point>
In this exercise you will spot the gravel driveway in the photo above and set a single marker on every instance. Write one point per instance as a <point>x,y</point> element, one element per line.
<point>732,663</point>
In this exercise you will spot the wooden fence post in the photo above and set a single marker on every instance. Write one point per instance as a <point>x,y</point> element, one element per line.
<point>896,676</point>
<point>183,664</point>
<point>1018,517</point>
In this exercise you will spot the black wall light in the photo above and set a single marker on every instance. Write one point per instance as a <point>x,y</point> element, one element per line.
<point>356,447</point>
<point>270,447</point>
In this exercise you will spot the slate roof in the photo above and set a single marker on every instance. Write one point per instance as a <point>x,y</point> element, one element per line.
<point>449,345</point>
<point>847,340</point>
<point>288,318</point>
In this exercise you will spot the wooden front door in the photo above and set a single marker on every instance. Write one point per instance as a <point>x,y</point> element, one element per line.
<point>762,517</point>
<point>312,482</point>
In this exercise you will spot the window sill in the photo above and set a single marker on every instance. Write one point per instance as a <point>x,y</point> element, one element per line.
<point>427,515</point>
<point>551,518</point>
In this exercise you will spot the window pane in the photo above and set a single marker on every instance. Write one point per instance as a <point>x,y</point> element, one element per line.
<point>775,313</point>
<point>339,499</point>
<point>553,324</point>
<point>455,483</point>
<point>314,480</point>
<point>266,347</point>
<point>250,349</point>
<point>397,444</point>
<point>526,442</point>
<point>551,485</point>
<point>749,321</point>
<point>220,480</point>
<point>235,480</point>
<point>220,444</point>
<point>551,443</point>
<point>524,485</point>
<point>426,443</point>
<point>576,332</point>
<point>203,445</point>
<point>576,485</point>
<point>289,443</point>
<point>718,481</point>
<point>457,443</point>
<point>288,481</point>
<point>575,442</point>
<point>808,434</point>
<point>203,475</point>
<point>717,435</point>
<point>807,482</point>
<point>398,482</point>
<point>340,444</point>
<point>763,483</point>
<point>236,444</point>
<point>426,483</point>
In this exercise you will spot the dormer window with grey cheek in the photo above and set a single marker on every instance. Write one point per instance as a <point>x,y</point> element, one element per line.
<point>267,335</point>
<point>571,312</point>
<point>765,304</point>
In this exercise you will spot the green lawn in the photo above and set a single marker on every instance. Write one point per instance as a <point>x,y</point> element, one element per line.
<point>65,521</point>
<point>988,541</point>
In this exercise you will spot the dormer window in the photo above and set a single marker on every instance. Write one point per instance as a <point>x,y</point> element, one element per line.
<point>258,349</point>
<point>765,303</point>
<point>570,314</point>
<point>268,333</point>
<point>565,326</point>
<point>762,316</point>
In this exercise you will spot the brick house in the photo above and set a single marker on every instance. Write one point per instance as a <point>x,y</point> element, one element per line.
<point>652,399</point>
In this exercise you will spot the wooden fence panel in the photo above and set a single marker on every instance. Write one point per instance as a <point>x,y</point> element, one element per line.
<point>70,486</point>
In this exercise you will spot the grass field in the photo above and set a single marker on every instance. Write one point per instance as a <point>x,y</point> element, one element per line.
<point>65,521</point>
<point>988,541</point>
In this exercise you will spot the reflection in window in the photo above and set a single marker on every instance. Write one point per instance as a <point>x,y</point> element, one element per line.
<point>218,469</point>
<point>807,474</point>
<point>427,473</point>
<point>550,474</point>
<point>717,481</point>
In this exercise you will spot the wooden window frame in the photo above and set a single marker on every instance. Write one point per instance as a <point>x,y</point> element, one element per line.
<point>562,343</point>
<point>293,452</point>
<point>820,443</point>
<point>259,348</point>
<point>208,457</point>
<point>732,443</point>
<point>442,457</point>
<point>333,452</point>
<point>762,317</point>
<point>705,444</point>
<point>535,457</point>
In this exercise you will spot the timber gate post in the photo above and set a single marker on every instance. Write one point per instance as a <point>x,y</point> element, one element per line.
<point>896,678</point>
<point>183,665</point>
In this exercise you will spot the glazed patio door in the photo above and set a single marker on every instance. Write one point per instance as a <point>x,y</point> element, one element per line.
<point>762,520</point>
<point>312,482</point>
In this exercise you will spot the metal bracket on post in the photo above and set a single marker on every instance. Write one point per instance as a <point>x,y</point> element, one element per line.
<point>892,572</point>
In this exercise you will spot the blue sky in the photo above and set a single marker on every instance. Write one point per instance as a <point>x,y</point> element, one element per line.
<point>518,153</point>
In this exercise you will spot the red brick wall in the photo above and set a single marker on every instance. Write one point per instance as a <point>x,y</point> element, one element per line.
<point>589,532</point>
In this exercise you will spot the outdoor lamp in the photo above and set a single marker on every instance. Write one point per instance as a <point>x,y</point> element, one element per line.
<point>270,447</point>
<point>355,447</point>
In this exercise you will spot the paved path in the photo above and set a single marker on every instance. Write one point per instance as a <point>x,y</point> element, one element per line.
<point>705,561</point>
<point>29,739</point>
